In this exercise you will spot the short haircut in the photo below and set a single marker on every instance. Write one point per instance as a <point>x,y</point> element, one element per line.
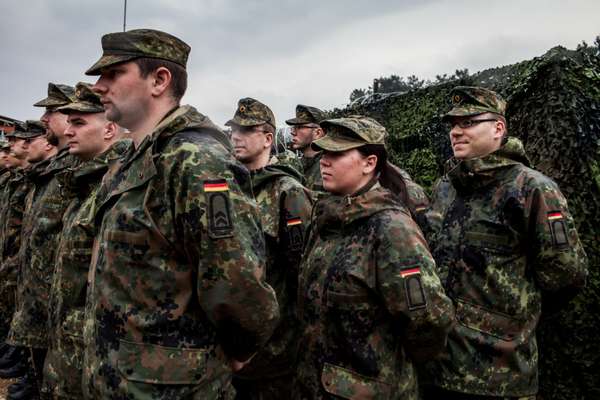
<point>268,128</point>
<point>178,73</point>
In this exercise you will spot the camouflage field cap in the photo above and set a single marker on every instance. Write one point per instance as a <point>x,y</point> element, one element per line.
<point>306,115</point>
<point>119,47</point>
<point>343,134</point>
<point>251,112</point>
<point>473,100</point>
<point>4,145</point>
<point>58,95</point>
<point>30,129</point>
<point>86,101</point>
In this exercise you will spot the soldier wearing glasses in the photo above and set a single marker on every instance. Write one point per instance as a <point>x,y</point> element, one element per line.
<point>305,130</point>
<point>505,246</point>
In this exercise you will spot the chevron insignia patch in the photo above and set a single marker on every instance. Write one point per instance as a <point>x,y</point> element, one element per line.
<point>220,224</point>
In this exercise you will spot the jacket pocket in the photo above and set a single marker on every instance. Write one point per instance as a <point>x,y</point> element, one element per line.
<point>348,384</point>
<point>487,322</point>
<point>142,362</point>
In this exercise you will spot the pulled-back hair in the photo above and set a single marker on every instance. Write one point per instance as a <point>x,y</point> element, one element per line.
<point>389,175</point>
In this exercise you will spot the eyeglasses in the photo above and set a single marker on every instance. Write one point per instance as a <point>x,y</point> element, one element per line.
<point>468,123</point>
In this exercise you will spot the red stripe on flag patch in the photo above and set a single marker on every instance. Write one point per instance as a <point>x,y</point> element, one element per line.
<point>294,221</point>
<point>554,215</point>
<point>216,186</point>
<point>412,271</point>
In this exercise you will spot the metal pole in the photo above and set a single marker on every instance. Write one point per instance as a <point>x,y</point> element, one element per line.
<point>125,16</point>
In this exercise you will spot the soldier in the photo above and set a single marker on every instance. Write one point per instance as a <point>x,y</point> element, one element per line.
<point>24,139</point>
<point>285,208</point>
<point>369,299</point>
<point>176,294</point>
<point>306,129</point>
<point>504,242</point>
<point>42,223</point>
<point>95,140</point>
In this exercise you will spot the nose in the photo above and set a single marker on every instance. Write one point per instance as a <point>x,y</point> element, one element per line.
<point>69,132</point>
<point>45,117</point>
<point>325,161</point>
<point>456,131</point>
<point>99,87</point>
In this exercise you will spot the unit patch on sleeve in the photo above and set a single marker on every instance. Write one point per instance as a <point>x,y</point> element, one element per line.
<point>220,224</point>
<point>558,229</point>
<point>294,230</point>
<point>415,295</point>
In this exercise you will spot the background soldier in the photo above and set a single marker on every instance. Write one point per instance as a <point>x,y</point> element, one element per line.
<point>306,129</point>
<point>504,243</point>
<point>176,284</point>
<point>95,140</point>
<point>42,223</point>
<point>285,208</point>
<point>24,139</point>
<point>369,300</point>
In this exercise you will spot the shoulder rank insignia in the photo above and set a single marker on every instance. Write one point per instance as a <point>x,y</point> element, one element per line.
<point>558,229</point>
<point>220,224</point>
<point>415,295</point>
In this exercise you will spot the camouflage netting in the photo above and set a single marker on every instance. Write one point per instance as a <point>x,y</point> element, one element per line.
<point>554,107</point>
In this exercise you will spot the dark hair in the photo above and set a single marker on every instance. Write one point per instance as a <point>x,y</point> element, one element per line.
<point>178,73</point>
<point>390,176</point>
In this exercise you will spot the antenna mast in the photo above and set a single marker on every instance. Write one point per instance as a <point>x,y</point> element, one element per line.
<point>125,16</point>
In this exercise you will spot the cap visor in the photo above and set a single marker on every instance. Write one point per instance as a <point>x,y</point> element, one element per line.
<point>335,144</point>
<point>80,108</point>
<point>245,122</point>
<point>49,102</point>
<point>108,60</point>
<point>296,121</point>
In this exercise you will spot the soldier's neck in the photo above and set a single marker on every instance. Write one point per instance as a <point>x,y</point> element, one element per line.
<point>147,120</point>
<point>308,152</point>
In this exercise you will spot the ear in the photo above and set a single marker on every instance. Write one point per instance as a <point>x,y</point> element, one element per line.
<point>48,146</point>
<point>268,140</point>
<point>161,79</point>
<point>110,130</point>
<point>370,162</point>
<point>500,129</point>
<point>318,133</point>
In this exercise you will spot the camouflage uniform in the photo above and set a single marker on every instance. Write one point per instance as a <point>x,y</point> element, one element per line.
<point>504,242</point>
<point>285,208</point>
<point>62,369</point>
<point>42,223</point>
<point>63,364</point>
<point>312,172</point>
<point>177,271</point>
<point>14,190</point>
<point>369,299</point>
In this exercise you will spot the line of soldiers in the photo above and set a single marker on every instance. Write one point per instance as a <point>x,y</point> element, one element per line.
<point>147,255</point>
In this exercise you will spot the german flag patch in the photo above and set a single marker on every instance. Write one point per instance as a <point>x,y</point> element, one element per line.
<point>411,271</point>
<point>293,221</point>
<point>216,186</point>
<point>415,294</point>
<point>558,229</point>
<point>220,223</point>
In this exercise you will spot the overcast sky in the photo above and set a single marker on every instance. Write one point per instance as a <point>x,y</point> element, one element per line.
<point>283,52</point>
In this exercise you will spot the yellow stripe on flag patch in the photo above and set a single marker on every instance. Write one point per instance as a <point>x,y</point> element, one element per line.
<point>294,221</point>
<point>216,187</point>
<point>408,272</point>
<point>554,215</point>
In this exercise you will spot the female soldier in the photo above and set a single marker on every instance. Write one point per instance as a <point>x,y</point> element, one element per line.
<point>369,301</point>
